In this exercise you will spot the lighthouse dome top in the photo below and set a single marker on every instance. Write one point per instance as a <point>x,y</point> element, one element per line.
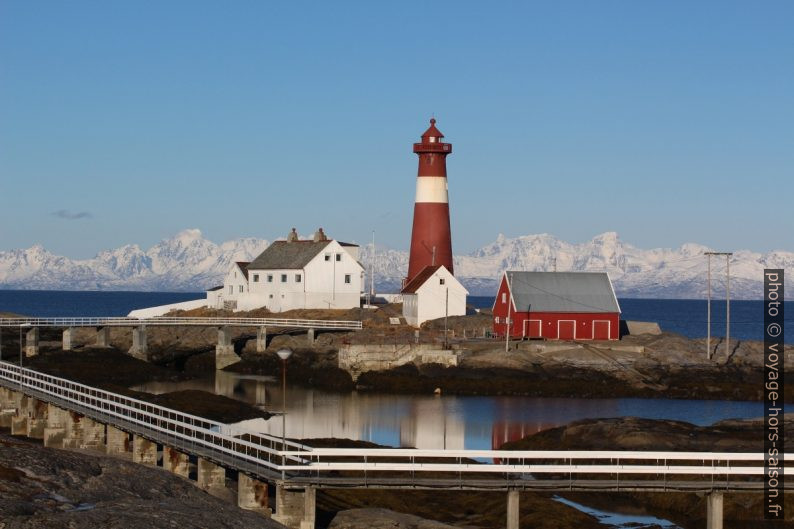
<point>432,134</point>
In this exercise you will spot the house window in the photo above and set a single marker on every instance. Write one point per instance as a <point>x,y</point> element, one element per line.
<point>256,278</point>
<point>297,278</point>
<point>504,297</point>
<point>441,281</point>
<point>347,279</point>
<point>283,278</point>
<point>241,288</point>
<point>339,257</point>
<point>270,278</point>
<point>328,257</point>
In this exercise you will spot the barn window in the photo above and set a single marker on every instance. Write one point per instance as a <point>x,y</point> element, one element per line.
<point>271,296</point>
<point>504,297</point>
<point>328,257</point>
<point>496,319</point>
<point>231,289</point>
<point>241,288</point>
<point>270,278</point>
<point>347,279</point>
<point>441,281</point>
<point>339,257</point>
<point>283,278</point>
<point>297,278</point>
<point>256,278</point>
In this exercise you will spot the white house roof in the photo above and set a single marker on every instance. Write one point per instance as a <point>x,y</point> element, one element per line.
<point>419,279</point>
<point>426,273</point>
<point>242,266</point>
<point>562,292</point>
<point>284,255</point>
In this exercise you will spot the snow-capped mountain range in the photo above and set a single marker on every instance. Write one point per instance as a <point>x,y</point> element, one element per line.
<point>189,262</point>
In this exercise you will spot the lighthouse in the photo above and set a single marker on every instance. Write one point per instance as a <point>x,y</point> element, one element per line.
<point>431,240</point>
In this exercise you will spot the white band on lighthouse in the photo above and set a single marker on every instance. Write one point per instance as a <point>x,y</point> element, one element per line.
<point>432,189</point>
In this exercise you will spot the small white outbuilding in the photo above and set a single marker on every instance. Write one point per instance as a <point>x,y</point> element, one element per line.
<point>431,294</point>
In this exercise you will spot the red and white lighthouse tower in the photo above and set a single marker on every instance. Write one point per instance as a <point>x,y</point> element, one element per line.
<point>431,240</point>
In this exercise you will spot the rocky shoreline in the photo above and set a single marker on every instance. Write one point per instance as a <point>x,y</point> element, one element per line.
<point>43,488</point>
<point>742,510</point>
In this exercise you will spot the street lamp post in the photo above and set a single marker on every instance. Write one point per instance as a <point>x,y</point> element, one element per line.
<point>284,354</point>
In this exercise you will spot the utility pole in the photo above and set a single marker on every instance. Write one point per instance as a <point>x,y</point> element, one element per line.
<point>446,315</point>
<point>708,314</point>
<point>372,271</point>
<point>727,302</point>
<point>507,324</point>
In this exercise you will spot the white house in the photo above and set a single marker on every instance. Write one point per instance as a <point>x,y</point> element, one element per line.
<point>433,293</point>
<point>294,274</point>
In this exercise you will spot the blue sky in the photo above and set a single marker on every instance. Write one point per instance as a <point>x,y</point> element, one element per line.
<point>125,122</point>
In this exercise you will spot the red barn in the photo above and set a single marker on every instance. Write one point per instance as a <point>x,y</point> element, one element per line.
<point>557,306</point>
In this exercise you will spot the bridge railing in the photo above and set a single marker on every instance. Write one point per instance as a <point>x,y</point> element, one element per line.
<point>178,321</point>
<point>725,469</point>
<point>142,417</point>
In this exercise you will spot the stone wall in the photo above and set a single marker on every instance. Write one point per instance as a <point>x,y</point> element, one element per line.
<point>357,359</point>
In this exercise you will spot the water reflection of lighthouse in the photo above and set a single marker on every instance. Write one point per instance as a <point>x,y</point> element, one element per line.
<point>424,422</point>
<point>431,426</point>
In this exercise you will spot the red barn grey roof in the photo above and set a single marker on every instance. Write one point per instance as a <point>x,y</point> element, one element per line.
<point>562,292</point>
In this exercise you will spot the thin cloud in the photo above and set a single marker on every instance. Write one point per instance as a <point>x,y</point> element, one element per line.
<point>68,215</point>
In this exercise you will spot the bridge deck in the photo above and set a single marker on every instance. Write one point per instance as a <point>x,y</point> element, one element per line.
<point>180,322</point>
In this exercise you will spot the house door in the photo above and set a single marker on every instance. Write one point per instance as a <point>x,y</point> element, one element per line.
<point>532,329</point>
<point>601,329</point>
<point>566,329</point>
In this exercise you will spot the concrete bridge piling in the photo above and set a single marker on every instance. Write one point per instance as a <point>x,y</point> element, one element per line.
<point>66,339</point>
<point>117,442</point>
<point>714,502</point>
<point>176,462</point>
<point>85,433</point>
<point>211,477</point>
<point>32,342</point>
<point>139,347</point>
<point>37,418</point>
<point>7,407</point>
<point>252,495</point>
<point>144,451</point>
<point>224,351</point>
<point>55,430</point>
<point>512,509</point>
<point>103,337</point>
<point>295,508</point>
<point>261,339</point>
